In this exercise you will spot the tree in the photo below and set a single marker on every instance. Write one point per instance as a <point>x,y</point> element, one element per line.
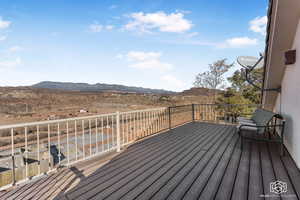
<point>240,84</point>
<point>241,92</point>
<point>233,103</point>
<point>214,77</point>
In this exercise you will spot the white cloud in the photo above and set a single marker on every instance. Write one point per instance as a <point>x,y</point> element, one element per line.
<point>147,60</point>
<point>95,28</point>
<point>10,63</point>
<point>4,24</point>
<point>173,81</point>
<point>15,49</point>
<point>142,56</point>
<point>145,22</point>
<point>238,42</point>
<point>2,37</point>
<point>259,24</point>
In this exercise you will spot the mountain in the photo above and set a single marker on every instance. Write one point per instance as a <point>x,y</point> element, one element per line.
<point>98,87</point>
<point>201,91</point>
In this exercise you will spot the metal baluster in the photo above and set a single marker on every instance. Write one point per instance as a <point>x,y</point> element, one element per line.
<point>123,129</point>
<point>58,135</point>
<point>97,140</point>
<point>49,149</point>
<point>206,113</point>
<point>134,126</point>
<point>38,148</point>
<point>76,140</point>
<point>90,133</point>
<point>68,145</point>
<point>83,139</point>
<point>118,131</point>
<point>144,122</point>
<point>160,120</point>
<point>164,119</point>
<point>102,138</point>
<point>108,133</point>
<point>112,131</point>
<point>127,128</point>
<point>13,157</point>
<point>156,121</point>
<point>26,153</point>
<point>139,125</point>
<point>152,122</point>
<point>147,122</point>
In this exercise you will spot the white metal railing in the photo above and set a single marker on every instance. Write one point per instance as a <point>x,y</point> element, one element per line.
<point>28,150</point>
<point>31,149</point>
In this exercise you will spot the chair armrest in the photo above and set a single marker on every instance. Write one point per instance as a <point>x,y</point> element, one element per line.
<point>260,126</point>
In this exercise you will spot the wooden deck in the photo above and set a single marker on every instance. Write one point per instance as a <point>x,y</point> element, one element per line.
<point>193,161</point>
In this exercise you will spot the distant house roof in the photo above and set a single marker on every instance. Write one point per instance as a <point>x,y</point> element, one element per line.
<point>283,18</point>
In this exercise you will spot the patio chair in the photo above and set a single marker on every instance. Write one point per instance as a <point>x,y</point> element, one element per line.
<point>261,123</point>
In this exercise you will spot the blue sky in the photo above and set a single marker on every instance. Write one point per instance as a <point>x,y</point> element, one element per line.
<point>150,43</point>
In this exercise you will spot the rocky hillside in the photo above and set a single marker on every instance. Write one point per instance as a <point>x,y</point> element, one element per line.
<point>98,87</point>
<point>201,92</point>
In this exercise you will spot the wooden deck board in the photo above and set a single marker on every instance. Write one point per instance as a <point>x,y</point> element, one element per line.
<point>240,189</point>
<point>153,186</point>
<point>267,170</point>
<point>162,188</point>
<point>200,183</point>
<point>280,172</point>
<point>225,188</point>
<point>255,176</point>
<point>193,161</point>
<point>183,185</point>
<point>293,173</point>
<point>154,162</point>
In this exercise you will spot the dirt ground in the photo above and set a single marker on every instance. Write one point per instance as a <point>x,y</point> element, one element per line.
<point>25,104</point>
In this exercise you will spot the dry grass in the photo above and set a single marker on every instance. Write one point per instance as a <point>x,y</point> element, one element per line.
<point>23,104</point>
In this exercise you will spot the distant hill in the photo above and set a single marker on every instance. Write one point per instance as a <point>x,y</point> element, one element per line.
<point>98,87</point>
<point>201,91</point>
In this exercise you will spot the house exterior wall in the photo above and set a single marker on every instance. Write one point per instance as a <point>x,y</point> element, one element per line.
<point>288,102</point>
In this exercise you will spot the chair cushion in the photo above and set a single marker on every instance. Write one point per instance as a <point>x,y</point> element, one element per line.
<point>244,120</point>
<point>249,128</point>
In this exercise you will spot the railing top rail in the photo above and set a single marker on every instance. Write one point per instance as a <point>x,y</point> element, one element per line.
<point>145,110</point>
<point>106,115</point>
<point>46,122</point>
<point>181,106</point>
<point>229,104</point>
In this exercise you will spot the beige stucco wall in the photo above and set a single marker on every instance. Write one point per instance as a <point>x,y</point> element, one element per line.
<point>288,103</point>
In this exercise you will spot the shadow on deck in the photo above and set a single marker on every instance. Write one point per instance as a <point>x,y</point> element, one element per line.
<point>193,161</point>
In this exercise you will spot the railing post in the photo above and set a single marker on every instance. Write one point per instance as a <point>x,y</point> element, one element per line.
<point>193,111</point>
<point>118,132</point>
<point>169,113</point>
<point>13,157</point>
